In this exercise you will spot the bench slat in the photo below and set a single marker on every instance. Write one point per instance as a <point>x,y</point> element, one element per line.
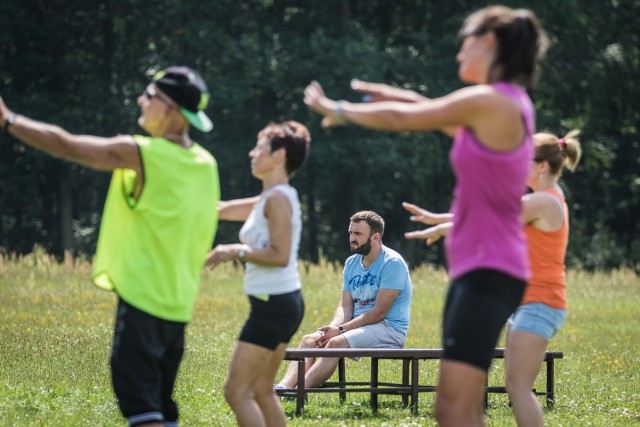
<point>387,353</point>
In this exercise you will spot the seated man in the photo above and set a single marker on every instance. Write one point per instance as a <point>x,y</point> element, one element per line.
<point>376,297</point>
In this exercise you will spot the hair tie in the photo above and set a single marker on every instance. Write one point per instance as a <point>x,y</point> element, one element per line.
<point>562,142</point>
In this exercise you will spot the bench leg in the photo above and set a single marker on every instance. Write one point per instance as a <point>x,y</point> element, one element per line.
<point>374,383</point>
<point>300,392</point>
<point>486,392</point>
<point>551,398</point>
<point>342,379</point>
<point>414,386</point>
<point>405,382</point>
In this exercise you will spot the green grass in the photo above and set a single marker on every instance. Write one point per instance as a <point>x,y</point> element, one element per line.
<point>55,335</point>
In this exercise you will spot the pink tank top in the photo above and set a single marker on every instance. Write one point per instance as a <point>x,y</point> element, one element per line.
<point>488,231</point>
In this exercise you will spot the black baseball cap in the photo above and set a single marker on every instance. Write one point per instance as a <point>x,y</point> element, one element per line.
<point>187,89</point>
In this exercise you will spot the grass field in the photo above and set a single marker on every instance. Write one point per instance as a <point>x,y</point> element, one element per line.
<point>55,335</point>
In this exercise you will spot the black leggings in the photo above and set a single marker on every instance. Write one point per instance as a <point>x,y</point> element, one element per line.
<point>477,307</point>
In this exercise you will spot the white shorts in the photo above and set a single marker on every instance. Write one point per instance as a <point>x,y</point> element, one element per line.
<point>377,335</point>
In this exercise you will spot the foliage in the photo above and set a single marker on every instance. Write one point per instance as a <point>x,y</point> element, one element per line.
<point>82,65</point>
<point>56,333</point>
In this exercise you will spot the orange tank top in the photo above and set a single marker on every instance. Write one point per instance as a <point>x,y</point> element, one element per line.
<point>547,250</point>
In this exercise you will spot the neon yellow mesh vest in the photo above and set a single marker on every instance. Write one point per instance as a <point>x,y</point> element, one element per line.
<point>151,250</point>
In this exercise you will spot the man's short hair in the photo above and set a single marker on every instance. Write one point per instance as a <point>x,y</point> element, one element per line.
<point>375,221</point>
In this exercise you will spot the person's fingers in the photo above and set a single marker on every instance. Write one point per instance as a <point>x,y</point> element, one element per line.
<point>419,234</point>
<point>373,92</point>
<point>413,235</point>
<point>317,88</point>
<point>428,235</point>
<point>421,218</point>
<point>328,122</point>
<point>211,264</point>
<point>310,93</point>
<point>432,240</point>
<point>362,86</point>
<point>411,207</point>
<point>208,259</point>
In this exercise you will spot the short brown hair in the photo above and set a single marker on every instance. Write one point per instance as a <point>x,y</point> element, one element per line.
<point>294,137</point>
<point>373,220</point>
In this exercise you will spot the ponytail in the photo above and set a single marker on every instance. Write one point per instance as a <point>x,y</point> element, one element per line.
<point>570,146</point>
<point>558,152</point>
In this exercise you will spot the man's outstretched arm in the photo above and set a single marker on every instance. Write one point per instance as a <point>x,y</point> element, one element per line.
<point>93,151</point>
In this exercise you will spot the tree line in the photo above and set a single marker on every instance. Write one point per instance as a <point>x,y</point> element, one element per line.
<point>82,65</point>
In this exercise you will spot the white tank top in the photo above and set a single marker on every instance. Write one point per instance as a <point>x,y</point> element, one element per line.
<point>259,279</point>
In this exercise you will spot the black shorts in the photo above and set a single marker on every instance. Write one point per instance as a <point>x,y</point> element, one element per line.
<point>274,321</point>
<point>145,357</point>
<point>477,307</point>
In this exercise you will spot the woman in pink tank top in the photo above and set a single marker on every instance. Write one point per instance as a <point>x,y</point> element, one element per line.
<point>543,308</point>
<point>492,121</point>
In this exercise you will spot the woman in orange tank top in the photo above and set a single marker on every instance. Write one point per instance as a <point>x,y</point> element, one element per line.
<point>542,310</point>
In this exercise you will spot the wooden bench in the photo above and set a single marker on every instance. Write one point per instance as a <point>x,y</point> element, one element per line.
<point>409,385</point>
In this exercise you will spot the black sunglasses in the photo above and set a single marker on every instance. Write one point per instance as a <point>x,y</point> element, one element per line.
<point>149,94</point>
<point>475,33</point>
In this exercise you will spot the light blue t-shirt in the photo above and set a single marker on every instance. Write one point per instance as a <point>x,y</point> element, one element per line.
<point>389,271</point>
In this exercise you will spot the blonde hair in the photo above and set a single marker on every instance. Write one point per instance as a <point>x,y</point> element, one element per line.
<point>558,152</point>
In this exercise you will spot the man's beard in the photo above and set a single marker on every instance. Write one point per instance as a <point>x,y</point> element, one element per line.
<point>363,249</point>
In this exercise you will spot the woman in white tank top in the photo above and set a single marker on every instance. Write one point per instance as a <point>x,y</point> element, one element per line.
<point>270,239</point>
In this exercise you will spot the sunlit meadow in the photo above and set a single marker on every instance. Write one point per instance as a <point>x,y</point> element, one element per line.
<point>55,335</point>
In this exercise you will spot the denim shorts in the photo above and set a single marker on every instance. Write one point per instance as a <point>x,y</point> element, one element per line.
<point>537,318</point>
<point>376,335</point>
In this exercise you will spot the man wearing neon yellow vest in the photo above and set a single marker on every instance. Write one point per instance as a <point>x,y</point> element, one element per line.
<point>159,222</point>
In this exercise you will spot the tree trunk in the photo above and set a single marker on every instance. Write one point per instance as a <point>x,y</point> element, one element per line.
<point>65,204</point>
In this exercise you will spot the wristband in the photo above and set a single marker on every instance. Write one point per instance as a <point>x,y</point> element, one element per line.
<point>337,113</point>
<point>341,329</point>
<point>10,120</point>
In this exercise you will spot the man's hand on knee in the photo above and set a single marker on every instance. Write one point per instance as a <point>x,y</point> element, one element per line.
<point>311,340</point>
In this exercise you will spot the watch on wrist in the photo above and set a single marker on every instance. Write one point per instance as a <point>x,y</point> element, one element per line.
<point>242,253</point>
<point>10,120</point>
<point>341,329</point>
<point>337,113</point>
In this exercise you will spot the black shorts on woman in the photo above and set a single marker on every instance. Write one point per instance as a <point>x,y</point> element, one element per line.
<point>477,307</point>
<point>273,320</point>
